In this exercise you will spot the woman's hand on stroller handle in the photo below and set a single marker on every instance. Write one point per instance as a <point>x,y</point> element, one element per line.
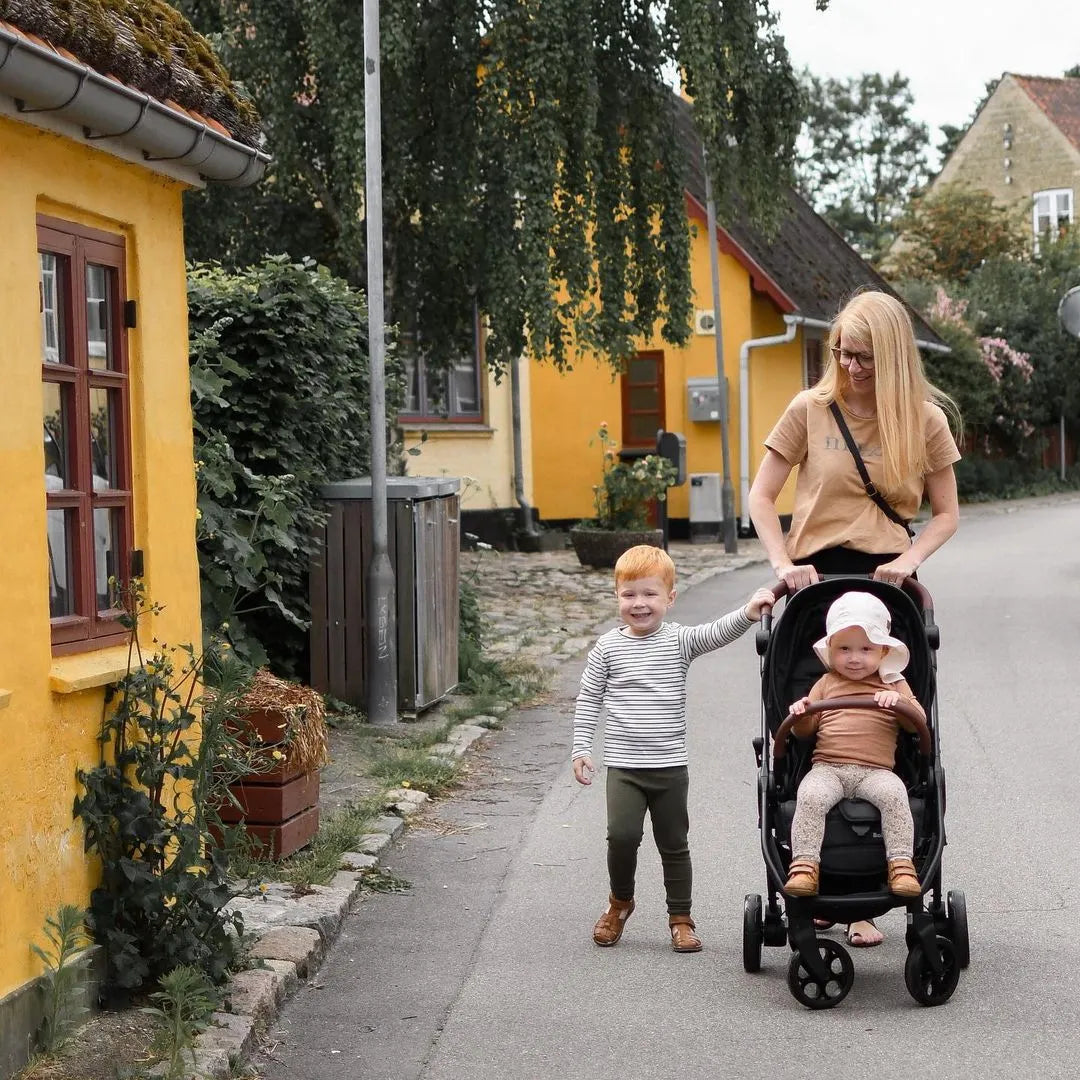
<point>858,701</point>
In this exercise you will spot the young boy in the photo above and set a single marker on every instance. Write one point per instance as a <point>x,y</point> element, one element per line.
<point>637,674</point>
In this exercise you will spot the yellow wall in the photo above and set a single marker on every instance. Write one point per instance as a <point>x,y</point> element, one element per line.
<point>47,735</point>
<point>568,409</point>
<point>481,454</point>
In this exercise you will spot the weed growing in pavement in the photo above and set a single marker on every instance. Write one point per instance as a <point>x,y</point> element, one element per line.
<point>62,980</point>
<point>415,768</point>
<point>379,879</point>
<point>184,1003</point>
<point>321,859</point>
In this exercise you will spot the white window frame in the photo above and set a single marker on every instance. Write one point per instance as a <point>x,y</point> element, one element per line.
<point>469,369</point>
<point>1051,196</point>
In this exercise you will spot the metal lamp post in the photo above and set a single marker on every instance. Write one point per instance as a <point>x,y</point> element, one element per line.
<point>381,622</point>
<point>727,492</point>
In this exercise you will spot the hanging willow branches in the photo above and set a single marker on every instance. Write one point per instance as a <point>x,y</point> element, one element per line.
<point>531,169</point>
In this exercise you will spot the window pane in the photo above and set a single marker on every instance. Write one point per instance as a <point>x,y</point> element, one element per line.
<point>1042,204</point>
<point>61,528</point>
<point>436,386</point>
<point>641,370</point>
<point>56,421</point>
<point>53,340</point>
<point>1043,224</point>
<point>1064,208</point>
<point>108,534</point>
<point>642,430</point>
<point>645,398</point>
<point>104,409</point>
<point>100,291</point>
<point>466,386</point>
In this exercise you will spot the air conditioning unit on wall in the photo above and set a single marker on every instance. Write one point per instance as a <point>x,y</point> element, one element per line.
<point>704,321</point>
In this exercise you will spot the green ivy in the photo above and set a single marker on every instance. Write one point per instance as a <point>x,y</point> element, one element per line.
<point>279,372</point>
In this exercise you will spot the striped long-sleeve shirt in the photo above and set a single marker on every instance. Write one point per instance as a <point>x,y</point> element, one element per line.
<point>640,683</point>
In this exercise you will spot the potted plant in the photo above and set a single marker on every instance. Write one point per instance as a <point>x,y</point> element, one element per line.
<point>623,501</point>
<point>278,803</point>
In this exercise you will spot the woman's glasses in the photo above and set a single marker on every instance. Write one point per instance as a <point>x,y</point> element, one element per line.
<point>842,356</point>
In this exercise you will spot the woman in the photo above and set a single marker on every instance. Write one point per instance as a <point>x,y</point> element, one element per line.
<point>896,417</point>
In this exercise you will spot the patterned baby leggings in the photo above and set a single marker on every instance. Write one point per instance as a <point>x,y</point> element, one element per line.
<point>825,785</point>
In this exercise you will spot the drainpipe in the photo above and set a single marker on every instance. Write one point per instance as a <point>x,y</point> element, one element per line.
<point>527,525</point>
<point>792,321</point>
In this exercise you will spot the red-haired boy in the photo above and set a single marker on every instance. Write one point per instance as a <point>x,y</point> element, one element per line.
<point>636,674</point>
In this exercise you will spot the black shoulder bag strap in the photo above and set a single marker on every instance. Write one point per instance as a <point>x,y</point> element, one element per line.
<point>868,484</point>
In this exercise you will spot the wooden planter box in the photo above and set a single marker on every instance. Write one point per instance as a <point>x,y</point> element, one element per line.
<point>271,803</point>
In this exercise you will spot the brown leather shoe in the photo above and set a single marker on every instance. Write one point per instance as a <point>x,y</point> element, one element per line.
<point>683,938</point>
<point>609,927</point>
<point>903,881</point>
<point>802,878</point>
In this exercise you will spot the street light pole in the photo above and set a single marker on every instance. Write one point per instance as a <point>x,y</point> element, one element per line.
<point>727,491</point>
<point>381,621</point>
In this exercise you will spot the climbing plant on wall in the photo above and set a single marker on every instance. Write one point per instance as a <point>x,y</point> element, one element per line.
<point>531,164</point>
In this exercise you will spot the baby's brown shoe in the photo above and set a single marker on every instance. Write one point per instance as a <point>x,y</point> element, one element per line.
<point>802,878</point>
<point>683,938</point>
<point>903,881</point>
<point>609,927</point>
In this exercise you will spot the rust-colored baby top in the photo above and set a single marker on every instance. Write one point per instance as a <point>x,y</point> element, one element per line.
<point>855,736</point>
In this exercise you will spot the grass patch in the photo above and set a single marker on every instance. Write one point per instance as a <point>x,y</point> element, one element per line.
<point>416,767</point>
<point>338,833</point>
<point>384,881</point>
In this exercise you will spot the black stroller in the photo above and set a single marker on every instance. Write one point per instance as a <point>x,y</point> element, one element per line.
<point>853,869</point>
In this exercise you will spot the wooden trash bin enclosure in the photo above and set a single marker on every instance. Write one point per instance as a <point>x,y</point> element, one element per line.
<point>423,541</point>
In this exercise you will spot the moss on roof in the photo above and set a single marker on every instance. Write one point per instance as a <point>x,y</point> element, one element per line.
<point>146,44</point>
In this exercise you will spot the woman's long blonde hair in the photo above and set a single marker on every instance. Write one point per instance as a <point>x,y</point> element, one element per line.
<point>880,323</point>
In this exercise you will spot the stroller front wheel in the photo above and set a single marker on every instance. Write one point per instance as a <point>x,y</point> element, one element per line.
<point>926,986</point>
<point>808,990</point>
<point>753,933</point>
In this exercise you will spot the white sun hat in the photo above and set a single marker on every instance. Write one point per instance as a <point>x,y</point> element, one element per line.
<point>866,611</point>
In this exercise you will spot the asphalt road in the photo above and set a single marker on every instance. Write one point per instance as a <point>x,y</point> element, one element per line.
<point>485,969</point>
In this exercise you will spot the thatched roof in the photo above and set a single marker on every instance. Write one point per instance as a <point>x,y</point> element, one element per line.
<point>146,44</point>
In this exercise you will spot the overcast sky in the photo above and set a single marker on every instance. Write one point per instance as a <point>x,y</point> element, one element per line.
<point>948,49</point>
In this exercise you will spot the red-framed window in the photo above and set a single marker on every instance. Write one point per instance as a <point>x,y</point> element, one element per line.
<point>643,400</point>
<point>440,396</point>
<point>87,432</point>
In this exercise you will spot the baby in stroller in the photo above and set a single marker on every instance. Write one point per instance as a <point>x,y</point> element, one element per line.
<point>855,748</point>
<point>855,862</point>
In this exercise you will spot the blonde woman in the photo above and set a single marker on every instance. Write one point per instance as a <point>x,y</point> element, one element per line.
<point>873,385</point>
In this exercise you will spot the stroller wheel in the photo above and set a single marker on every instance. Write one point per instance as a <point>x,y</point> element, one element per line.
<point>805,987</point>
<point>753,933</point>
<point>923,984</point>
<point>956,907</point>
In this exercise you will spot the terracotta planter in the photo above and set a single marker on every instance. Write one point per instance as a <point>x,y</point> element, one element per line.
<point>602,547</point>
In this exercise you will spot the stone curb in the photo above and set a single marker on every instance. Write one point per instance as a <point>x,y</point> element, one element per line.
<point>294,934</point>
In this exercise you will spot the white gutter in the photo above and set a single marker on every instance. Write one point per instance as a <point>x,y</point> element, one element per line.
<point>793,321</point>
<point>49,88</point>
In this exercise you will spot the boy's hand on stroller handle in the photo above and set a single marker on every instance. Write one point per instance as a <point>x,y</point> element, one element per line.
<point>859,701</point>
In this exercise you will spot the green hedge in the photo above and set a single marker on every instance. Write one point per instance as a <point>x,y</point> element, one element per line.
<point>279,367</point>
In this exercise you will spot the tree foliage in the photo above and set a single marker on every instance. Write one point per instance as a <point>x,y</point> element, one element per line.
<point>862,155</point>
<point>280,396</point>
<point>531,168</point>
<point>948,234</point>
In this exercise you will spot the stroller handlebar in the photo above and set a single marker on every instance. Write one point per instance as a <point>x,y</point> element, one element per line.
<point>858,701</point>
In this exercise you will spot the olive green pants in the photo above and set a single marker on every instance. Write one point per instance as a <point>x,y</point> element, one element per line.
<point>663,792</point>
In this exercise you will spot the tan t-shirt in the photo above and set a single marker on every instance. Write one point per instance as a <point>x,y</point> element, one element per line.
<point>854,736</point>
<point>832,508</point>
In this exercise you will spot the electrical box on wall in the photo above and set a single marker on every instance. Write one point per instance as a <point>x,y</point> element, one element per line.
<point>703,399</point>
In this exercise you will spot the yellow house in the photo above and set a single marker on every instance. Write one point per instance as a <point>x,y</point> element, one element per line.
<point>777,296</point>
<point>94,159</point>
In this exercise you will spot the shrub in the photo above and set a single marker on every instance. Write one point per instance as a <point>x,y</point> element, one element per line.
<point>279,356</point>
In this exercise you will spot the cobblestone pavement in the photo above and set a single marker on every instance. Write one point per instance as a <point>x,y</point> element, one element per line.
<point>545,606</point>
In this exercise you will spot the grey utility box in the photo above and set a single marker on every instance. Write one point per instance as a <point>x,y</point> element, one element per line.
<point>706,508</point>
<point>703,399</point>
<point>423,538</point>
